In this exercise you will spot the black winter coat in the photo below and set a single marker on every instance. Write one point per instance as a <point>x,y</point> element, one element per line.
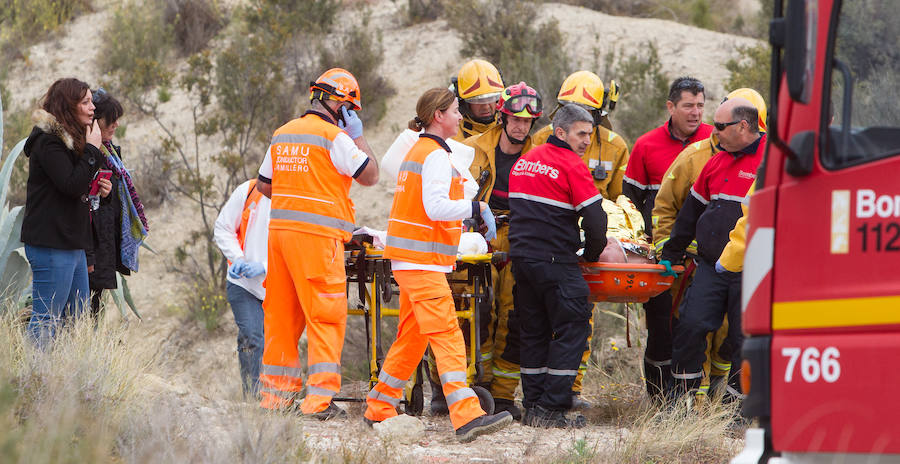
<point>57,214</point>
<point>106,223</point>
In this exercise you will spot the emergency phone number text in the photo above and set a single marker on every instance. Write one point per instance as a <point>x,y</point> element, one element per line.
<point>880,236</point>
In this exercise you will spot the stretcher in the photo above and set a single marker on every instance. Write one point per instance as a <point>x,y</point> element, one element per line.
<point>626,283</point>
<point>369,275</point>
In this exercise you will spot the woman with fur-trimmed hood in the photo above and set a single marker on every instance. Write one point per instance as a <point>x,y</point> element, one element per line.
<point>63,157</point>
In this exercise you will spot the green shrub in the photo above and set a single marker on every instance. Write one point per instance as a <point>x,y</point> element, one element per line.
<point>506,34</point>
<point>24,22</point>
<point>138,43</point>
<point>17,125</point>
<point>361,52</point>
<point>421,11</point>
<point>194,23</point>
<point>752,69</point>
<point>643,93</point>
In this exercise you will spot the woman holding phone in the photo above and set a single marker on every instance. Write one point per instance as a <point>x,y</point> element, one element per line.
<point>63,157</point>
<point>115,217</point>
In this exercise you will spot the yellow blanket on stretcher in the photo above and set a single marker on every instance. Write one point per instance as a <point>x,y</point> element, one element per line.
<point>626,225</point>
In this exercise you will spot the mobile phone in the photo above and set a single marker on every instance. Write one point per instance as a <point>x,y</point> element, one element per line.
<point>95,184</point>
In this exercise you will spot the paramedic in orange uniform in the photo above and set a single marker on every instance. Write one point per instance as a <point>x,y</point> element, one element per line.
<point>307,172</point>
<point>422,239</point>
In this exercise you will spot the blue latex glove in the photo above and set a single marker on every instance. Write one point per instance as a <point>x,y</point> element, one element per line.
<point>488,217</point>
<point>252,269</point>
<point>351,123</point>
<point>719,268</point>
<point>236,268</point>
<point>668,272</point>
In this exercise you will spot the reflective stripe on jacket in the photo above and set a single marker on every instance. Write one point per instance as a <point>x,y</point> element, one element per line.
<point>411,235</point>
<point>485,145</point>
<point>676,187</point>
<point>308,193</point>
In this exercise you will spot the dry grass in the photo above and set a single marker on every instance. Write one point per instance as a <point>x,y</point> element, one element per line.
<point>647,433</point>
<point>107,395</point>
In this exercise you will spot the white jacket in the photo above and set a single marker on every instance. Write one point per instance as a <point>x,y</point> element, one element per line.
<point>256,242</point>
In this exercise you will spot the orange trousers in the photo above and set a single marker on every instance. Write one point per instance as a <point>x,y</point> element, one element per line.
<point>427,316</point>
<point>305,289</point>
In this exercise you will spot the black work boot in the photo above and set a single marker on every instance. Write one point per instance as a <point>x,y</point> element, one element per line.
<point>438,402</point>
<point>683,389</point>
<point>503,404</point>
<point>579,403</point>
<point>331,412</point>
<point>539,416</point>
<point>483,425</point>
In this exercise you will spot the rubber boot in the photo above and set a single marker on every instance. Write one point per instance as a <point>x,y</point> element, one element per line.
<point>716,385</point>
<point>438,402</point>
<point>659,382</point>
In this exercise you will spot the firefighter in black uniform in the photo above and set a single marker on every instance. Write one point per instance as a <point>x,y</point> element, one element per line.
<point>709,214</point>
<point>549,188</point>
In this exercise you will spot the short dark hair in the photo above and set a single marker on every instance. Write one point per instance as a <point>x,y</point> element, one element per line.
<point>685,83</point>
<point>570,114</point>
<point>106,107</point>
<point>747,113</point>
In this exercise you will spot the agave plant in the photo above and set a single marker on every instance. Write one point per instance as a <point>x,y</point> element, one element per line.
<point>15,272</point>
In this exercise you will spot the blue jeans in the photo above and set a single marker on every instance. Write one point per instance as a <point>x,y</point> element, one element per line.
<point>248,315</point>
<point>59,290</point>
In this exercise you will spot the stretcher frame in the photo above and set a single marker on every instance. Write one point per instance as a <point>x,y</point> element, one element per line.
<point>376,289</point>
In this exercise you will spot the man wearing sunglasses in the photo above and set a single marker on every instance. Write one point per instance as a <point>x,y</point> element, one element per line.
<point>709,214</point>
<point>496,151</point>
<point>651,156</point>
<point>673,192</point>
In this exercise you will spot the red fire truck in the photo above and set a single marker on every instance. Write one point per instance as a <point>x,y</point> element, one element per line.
<point>821,281</point>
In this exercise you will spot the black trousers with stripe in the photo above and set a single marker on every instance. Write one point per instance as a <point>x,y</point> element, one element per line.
<point>554,313</point>
<point>710,297</point>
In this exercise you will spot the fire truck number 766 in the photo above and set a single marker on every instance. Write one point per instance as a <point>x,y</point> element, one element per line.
<point>813,365</point>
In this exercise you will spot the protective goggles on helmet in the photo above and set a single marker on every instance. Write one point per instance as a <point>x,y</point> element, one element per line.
<point>531,104</point>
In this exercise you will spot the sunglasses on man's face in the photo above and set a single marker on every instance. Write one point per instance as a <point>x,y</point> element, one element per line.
<point>720,126</point>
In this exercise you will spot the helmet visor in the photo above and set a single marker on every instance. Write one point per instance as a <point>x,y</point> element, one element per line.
<point>486,98</point>
<point>529,103</point>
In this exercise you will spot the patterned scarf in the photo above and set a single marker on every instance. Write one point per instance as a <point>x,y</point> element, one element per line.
<point>133,231</point>
<point>123,174</point>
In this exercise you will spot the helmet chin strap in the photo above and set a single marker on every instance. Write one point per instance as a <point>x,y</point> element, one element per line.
<point>334,115</point>
<point>466,111</point>
<point>512,140</point>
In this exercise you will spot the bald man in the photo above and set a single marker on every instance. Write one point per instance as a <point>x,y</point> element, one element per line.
<point>708,215</point>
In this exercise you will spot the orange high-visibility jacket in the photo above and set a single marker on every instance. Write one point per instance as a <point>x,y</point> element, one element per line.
<point>253,197</point>
<point>308,193</point>
<point>411,235</point>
